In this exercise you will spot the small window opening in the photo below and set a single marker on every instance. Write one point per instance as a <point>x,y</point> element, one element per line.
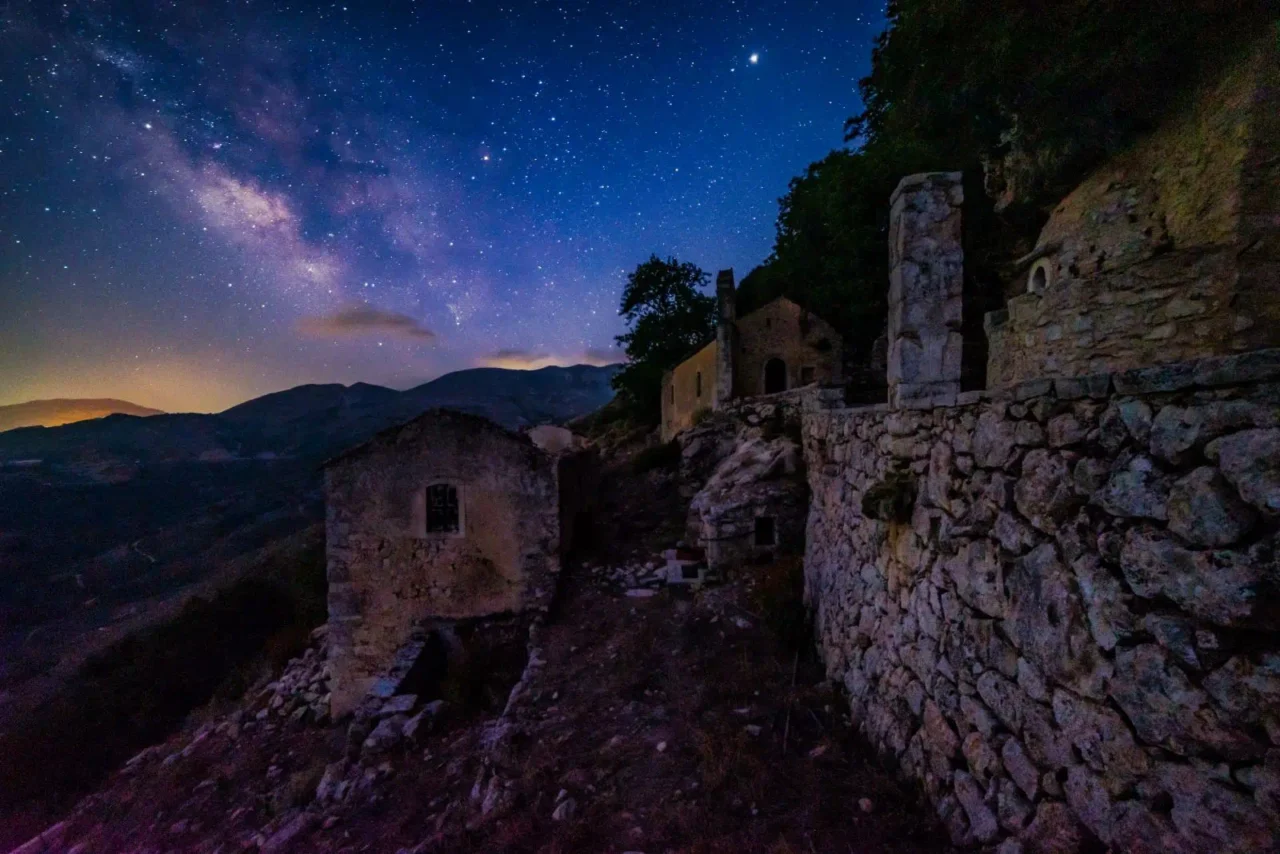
<point>698,384</point>
<point>442,509</point>
<point>768,323</point>
<point>765,534</point>
<point>672,395</point>
<point>807,375</point>
<point>1039,280</point>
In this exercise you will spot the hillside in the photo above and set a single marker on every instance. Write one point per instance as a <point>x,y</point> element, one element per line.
<point>54,413</point>
<point>636,718</point>
<point>123,516</point>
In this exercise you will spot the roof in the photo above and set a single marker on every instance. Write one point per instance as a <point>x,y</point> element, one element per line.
<point>477,421</point>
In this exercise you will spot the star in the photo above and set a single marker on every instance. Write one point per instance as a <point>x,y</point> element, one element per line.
<point>754,58</point>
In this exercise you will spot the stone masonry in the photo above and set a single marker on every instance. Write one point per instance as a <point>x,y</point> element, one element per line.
<point>390,573</point>
<point>1168,252</point>
<point>926,289</point>
<point>1056,604</point>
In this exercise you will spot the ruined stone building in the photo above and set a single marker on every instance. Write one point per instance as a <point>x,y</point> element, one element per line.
<point>447,517</point>
<point>1168,252</point>
<point>778,347</point>
<point>1054,602</point>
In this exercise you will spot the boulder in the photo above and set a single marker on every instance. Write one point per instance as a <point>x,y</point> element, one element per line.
<point>1054,830</point>
<point>1247,688</point>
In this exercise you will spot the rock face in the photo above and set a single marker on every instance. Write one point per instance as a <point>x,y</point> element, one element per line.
<point>754,498</point>
<point>1071,636</point>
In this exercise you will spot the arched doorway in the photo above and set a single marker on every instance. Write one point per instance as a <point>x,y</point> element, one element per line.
<point>775,376</point>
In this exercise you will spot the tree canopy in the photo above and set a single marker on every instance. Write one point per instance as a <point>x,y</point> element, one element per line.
<point>667,316</point>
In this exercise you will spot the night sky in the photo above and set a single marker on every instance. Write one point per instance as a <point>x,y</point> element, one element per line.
<point>203,201</point>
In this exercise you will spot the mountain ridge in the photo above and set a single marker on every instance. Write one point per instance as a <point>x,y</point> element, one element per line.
<point>59,411</point>
<point>314,420</point>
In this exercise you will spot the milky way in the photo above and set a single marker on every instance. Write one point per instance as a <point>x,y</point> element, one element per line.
<point>204,201</point>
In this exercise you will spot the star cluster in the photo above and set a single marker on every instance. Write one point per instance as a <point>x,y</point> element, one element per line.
<point>200,202</point>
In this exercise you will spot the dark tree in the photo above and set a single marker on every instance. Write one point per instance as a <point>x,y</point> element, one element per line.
<point>668,317</point>
<point>1043,91</point>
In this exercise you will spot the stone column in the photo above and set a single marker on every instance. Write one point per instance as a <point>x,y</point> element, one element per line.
<point>726,338</point>
<point>926,287</point>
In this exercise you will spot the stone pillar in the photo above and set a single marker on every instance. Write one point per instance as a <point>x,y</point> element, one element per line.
<point>926,288</point>
<point>726,338</point>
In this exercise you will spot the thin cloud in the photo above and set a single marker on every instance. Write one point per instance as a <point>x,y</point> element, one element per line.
<point>528,360</point>
<point>363,320</point>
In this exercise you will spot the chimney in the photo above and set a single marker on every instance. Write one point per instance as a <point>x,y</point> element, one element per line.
<point>726,338</point>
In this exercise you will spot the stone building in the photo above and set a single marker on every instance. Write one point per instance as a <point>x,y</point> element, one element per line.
<point>1170,251</point>
<point>776,348</point>
<point>447,517</point>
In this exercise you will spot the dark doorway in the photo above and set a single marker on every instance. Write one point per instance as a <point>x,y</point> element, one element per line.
<point>765,534</point>
<point>775,376</point>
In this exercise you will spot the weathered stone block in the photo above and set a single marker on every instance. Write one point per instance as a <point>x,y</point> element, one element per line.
<point>1205,511</point>
<point>1250,459</point>
<point>1045,495</point>
<point>1047,615</point>
<point>1167,710</point>
<point>1224,587</point>
<point>1138,490</point>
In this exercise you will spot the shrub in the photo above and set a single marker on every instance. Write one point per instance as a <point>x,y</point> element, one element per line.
<point>664,456</point>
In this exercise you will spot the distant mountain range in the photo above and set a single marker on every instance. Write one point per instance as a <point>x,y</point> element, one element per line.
<point>309,420</point>
<point>53,413</point>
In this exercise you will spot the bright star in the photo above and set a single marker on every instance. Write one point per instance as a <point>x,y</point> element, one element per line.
<point>754,58</point>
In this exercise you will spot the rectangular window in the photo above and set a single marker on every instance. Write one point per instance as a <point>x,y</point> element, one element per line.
<point>765,534</point>
<point>698,382</point>
<point>442,509</point>
<point>807,376</point>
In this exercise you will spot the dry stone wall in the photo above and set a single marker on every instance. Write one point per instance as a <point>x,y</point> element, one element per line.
<point>1056,605</point>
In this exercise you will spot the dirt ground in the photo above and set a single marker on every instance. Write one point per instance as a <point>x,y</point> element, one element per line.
<point>673,723</point>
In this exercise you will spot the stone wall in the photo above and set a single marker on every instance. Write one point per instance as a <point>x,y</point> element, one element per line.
<point>1056,605</point>
<point>1170,251</point>
<point>386,574</point>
